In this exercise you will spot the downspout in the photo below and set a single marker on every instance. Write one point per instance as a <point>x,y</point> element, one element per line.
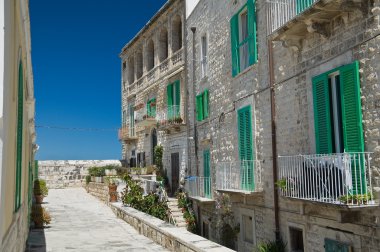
<point>274,141</point>
<point>193,29</point>
<point>188,170</point>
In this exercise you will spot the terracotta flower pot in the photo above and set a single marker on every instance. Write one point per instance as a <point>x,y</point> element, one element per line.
<point>39,198</point>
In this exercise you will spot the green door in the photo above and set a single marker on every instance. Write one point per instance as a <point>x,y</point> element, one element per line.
<point>206,173</point>
<point>335,246</point>
<point>246,149</point>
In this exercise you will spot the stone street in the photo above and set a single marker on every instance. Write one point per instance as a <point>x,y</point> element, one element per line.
<point>80,222</point>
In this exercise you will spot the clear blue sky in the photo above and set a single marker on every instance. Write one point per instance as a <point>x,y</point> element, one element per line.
<point>75,47</point>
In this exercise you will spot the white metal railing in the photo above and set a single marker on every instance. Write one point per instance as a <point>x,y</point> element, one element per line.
<point>343,179</point>
<point>170,115</point>
<point>240,175</point>
<point>279,12</point>
<point>199,187</point>
<point>142,115</point>
<point>149,186</point>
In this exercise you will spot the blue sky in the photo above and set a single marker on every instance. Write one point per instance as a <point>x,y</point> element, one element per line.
<point>75,47</point>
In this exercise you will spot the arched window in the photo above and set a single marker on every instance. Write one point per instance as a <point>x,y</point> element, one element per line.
<point>176,33</point>
<point>131,70</point>
<point>150,55</point>
<point>139,65</point>
<point>163,43</point>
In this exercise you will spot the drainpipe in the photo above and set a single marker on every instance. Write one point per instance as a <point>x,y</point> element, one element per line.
<point>193,29</point>
<point>274,141</point>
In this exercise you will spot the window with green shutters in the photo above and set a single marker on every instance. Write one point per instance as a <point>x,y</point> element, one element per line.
<point>151,108</point>
<point>302,5</point>
<point>336,246</point>
<point>202,105</point>
<point>20,113</point>
<point>173,100</point>
<point>243,38</point>
<point>246,148</point>
<point>338,115</point>
<point>206,173</point>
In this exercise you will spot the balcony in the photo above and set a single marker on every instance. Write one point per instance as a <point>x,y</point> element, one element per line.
<point>240,177</point>
<point>170,118</point>
<point>163,69</point>
<point>292,19</point>
<point>339,179</point>
<point>144,120</point>
<point>127,134</point>
<point>199,188</point>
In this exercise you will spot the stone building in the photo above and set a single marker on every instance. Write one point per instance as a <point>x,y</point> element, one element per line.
<point>316,64</point>
<point>153,93</point>
<point>17,131</point>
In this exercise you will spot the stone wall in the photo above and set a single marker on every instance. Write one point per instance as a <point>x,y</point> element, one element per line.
<point>68,173</point>
<point>99,190</point>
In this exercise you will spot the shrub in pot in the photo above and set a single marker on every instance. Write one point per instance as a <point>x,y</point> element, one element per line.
<point>100,172</point>
<point>40,216</point>
<point>40,190</point>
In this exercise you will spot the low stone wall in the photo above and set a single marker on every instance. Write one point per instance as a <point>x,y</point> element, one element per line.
<point>165,234</point>
<point>68,173</point>
<point>99,190</point>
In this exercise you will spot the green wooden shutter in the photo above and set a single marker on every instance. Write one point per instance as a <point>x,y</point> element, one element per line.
<point>35,169</point>
<point>302,5</point>
<point>252,47</point>
<point>169,91</point>
<point>352,123</point>
<point>153,108</point>
<point>335,246</point>
<point>322,122</point>
<point>351,108</point>
<point>199,107</point>
<point>20,113</point>
<point>205,104</point>
<point>234,23</point>
<point>148,110</point>
<point>206,173</point>
<point>246,148</point>
<point>177,102</point>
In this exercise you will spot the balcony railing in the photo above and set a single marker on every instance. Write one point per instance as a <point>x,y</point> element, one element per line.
<point>279,12</point>
<point>143,119</point>
<point>126,133</point>
<point>240,176</point>
<point>342,179</point>
<point>198,187</point>
<point>176,60</point>
<point>169,116</point>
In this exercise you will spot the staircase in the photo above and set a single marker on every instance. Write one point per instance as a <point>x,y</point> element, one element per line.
<point>176,213</point>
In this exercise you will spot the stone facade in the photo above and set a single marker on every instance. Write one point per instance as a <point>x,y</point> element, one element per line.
<point>99,190</point>
<point>347,37</point>
<point>151,61</point>
<point>68,173</point>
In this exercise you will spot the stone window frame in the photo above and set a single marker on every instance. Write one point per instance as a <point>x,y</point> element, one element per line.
<point>295,226</point>
<point>250,213</point>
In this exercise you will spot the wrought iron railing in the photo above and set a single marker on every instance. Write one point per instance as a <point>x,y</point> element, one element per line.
<point>199,187</point>
<point>279,12</point>
<point>170,115</point>
<point>238,176</point>
<point>343,179</point>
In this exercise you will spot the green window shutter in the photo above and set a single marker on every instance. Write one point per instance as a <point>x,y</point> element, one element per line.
<point>206,173</point>
<point>199,107</point>
<point>246,148</point>
<point>20,113</point>
<point>169,91</point>
<point>252,47</point>
<point>335,246</point>
<point>148,110</point>
<point>177,98</point>
<point>351,108</point>
<point>234,23</point>
<point>322,122</point>
<point>153,108</point>
<point>35,169</point>
<point>205,103</point>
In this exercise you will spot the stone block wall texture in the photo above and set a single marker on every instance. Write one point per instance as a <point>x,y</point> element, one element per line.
<point>99,190</point>
<point>68,173</point>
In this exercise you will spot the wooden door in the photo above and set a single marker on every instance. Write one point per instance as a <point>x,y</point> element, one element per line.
<point>175,171</point>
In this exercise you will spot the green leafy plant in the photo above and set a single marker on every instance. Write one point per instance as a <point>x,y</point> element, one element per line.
<point>272,246</point>
<point>40,215</point>
<point>356,198</point>
<point>188,213</point>
<point>40,187</point>
<point>88,179</point>
<point>281,184</point>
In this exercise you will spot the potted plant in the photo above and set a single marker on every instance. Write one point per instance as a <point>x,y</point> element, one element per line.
<point>40,190</point>
<point>112,190</point>
<point>100,172</point>
<point>40,216</point>
<point>110,170</point>
<point>88,180</point>
<point>91,172</point>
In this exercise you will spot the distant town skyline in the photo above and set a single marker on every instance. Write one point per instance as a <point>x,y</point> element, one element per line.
<point>77,73</point>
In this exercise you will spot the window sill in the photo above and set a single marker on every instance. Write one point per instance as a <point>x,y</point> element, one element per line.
<point>245,71</point>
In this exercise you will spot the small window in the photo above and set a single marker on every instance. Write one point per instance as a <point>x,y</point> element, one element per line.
<point>202,105</point>
<point>124,65</point>
<point>204,56</point>
<point>243,42</point>
<point>247,228</point>
<point>296,240</point>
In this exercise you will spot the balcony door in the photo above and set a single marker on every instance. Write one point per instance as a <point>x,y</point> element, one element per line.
<point>175,172</point>
<point>246,148</point>
<point>154,143</point>
<point>206,173</point>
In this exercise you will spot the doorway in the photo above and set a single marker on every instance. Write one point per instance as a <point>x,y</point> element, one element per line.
<point>154,144</point>
<point>175,172</point>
